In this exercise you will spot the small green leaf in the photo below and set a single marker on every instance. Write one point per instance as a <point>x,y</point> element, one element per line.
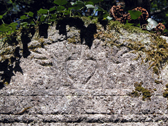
<point>13,25</point>
<point>42,18</point>
<point>1,16</point>
<point>60,8</point>
<point>42,11</point>
<point>52,9</point>
<point>32,23</point>
<point>105,15</point>
<point>24,24</point>
<point>66,12</point>
<point>100,9</point>
<point>130,24</point>
<point>54,16</point>
<point>51,20</point>
<point>135,14</point>
<point>4,28</point>
<point>30,14</point>
<point>11,1</point>
<point>5,13</point>
<point>90,6</point>
<point>89,3</point>
<point>23,17</point>
<point>60,2</point>
<point>9,32</point>
<point>96,1</point>
<point>138,24</point>
<point>78,5</point>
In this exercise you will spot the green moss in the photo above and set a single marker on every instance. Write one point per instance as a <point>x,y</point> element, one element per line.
<point>165,94</point>
<point>133,29</point>
<point>138,84</point>
<point>157,55</point>
<point>72,40</point>
<point>158,81</point>
<point>139,88</point>
<point>41,40</point>
<point>166,85</point>
<point>134,94</point>
<point>146,94</point>
<point>88,20</point>
<point>115,25</point>
<point>46,64</point>
<point>118,26</point>
<point>6,83</point>
<point>155,70</point>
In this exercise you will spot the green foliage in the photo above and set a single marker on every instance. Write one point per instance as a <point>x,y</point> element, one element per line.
<point>60,9</point>
<point>60,2</point>
<point>23,17</point>
<point>42,11</point>
<point>30,14</point>
<point>96,1</point>
<point>135,14</point>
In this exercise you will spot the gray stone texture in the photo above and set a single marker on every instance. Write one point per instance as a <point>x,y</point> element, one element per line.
<point>69,84</point>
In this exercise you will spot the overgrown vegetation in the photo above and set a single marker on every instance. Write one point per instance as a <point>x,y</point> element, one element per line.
<point>156,50</point>
<point>61,9</point>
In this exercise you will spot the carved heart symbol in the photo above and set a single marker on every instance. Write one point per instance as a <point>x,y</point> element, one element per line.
<point>81,70</point>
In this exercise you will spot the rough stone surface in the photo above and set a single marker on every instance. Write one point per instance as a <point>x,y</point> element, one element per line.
<point>69,84</point>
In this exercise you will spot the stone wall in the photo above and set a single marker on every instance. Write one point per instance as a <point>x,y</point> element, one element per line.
<point>68,83</point>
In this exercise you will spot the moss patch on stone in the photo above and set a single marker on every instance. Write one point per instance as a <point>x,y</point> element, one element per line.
<point>139,90</point>
<point>156,50</point>
<point>134,94</point>
<point>166,85</point>
<point>165,93</point>
<point>158,81</point>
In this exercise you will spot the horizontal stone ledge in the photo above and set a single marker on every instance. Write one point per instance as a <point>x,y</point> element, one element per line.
<point>87,124</point>
<point>84,118</point>
<point>66,92</point>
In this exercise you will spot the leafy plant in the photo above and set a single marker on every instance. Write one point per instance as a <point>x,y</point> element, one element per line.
<point>134,16</point>
<point>60,9</point>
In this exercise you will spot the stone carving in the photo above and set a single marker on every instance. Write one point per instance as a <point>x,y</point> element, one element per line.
<point>79,75</point>
<point>78,85</point>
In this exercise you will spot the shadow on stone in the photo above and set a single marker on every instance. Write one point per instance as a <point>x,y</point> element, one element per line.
<point>8,67</point>
<point>89,35</point>
<point>12,40</point>
<point>86,33</point>
<point>103,22</point>
<point>25,40</point>
<point>43,30</point>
